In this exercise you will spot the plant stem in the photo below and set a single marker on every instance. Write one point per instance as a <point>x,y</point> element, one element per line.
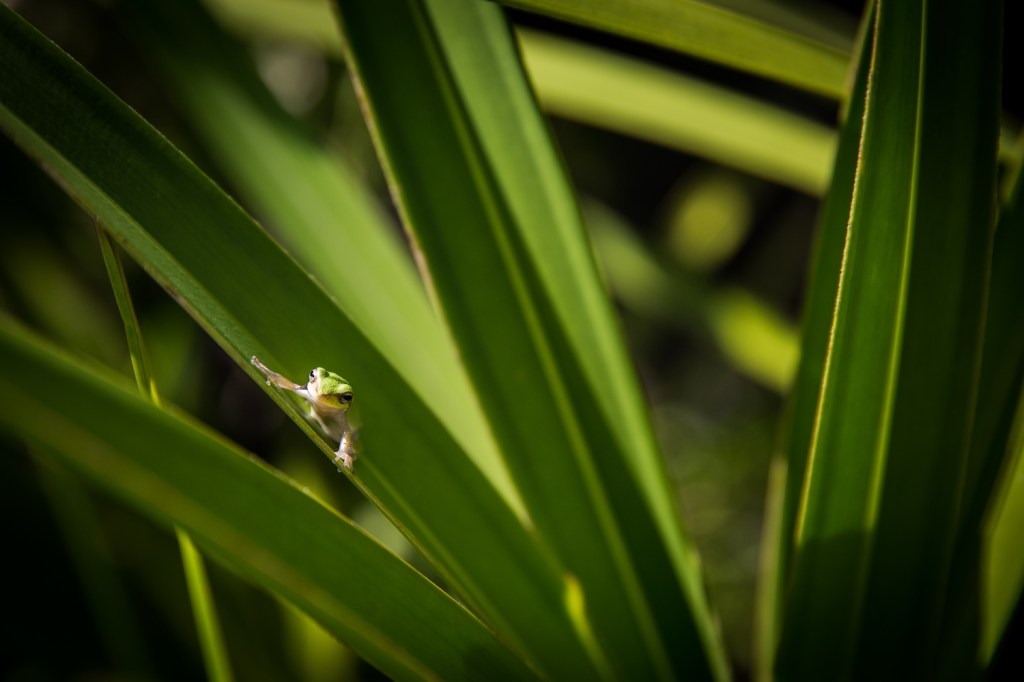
<point>211,638</point>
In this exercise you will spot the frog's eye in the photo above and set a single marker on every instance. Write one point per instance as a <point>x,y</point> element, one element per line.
<point>346,397</point>
<point>312,375</point>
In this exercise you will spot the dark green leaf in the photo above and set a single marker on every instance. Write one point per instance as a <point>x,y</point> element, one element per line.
<point>254,300</point>
<point>244,514</point>
<point>874,532</point>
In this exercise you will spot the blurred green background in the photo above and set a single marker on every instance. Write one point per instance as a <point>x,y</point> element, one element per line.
<point>706,260</point>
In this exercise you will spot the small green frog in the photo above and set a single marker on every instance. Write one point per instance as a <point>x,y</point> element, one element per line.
<point>330,405</point>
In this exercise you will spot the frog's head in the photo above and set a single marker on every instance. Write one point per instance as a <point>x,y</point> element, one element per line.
<point>329,389</point>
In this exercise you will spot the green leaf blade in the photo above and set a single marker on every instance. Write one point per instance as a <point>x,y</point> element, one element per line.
<point>326,217</point>
<point>607,90</point>
<point>800,416</point>
<point>874,533</point>
<point>215,261</point>
<point>710,32</point>
<point>486,200</point>
<point>266,529</point>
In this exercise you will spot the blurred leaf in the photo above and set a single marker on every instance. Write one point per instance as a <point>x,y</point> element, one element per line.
<point>204,612</point>
<point>759,341</point>
<point>1002,368</point>
<point>827,23</point>
<point>1003,563</point>
<point>755,339</point>
<point>984,545</point>
<point>266,529</point>
<point>487,200</point>
<point>313,651</point>
<point>713,33</point>
<point>780,44</point>
<point>307,21</point>
<point>311,23</point>
<point>619,93</point>
<point>60,301</point>
<point>710,217</point>
<point>253,300</point>
<point>995,478</point>
<point>603,89</point>
<point>116,617</point>
<point>875,529</point>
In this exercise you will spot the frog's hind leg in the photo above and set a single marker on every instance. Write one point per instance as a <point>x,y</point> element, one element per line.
<point>346,455</point>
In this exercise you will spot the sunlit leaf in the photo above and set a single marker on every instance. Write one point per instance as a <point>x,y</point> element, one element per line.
<point>486,199</point>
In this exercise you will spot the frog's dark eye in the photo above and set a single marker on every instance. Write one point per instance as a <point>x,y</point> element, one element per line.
<point>346,397</point>
<point>312,375</point>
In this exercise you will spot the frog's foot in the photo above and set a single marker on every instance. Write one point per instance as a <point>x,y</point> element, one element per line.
<point>346,454</point>
<point>343,459</point>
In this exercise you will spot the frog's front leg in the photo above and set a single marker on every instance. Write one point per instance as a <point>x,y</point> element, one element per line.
<point>275,379</point>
